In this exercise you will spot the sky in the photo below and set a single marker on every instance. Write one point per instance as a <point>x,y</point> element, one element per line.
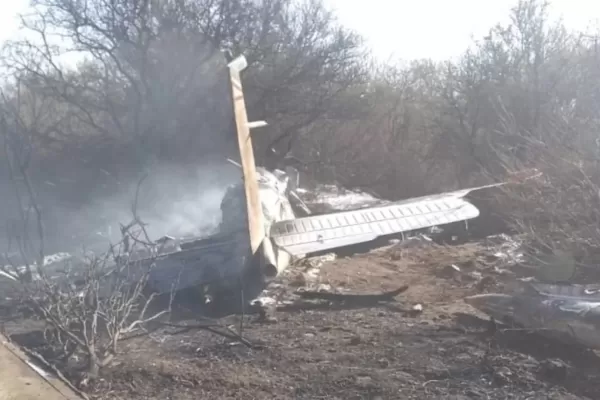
<point>410,29</point>
<point>8,17</point>
<point>442,29</point>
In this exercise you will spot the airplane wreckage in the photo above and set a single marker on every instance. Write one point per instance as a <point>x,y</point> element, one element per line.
<point>568,313</point>
<point>265,227</point>
<point>260,233</point>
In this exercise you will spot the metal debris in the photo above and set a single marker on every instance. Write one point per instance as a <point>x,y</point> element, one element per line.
<point>509,249</point>
<point>569,313</point>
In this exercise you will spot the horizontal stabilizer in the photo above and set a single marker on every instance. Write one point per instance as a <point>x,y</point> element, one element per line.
<point>330,231</point>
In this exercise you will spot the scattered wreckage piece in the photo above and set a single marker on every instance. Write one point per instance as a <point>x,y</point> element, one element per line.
<point>352,297</point>
<point>13,267</point>
<point>568,313</point>
<point>328,198</point>
<point>267,307</point>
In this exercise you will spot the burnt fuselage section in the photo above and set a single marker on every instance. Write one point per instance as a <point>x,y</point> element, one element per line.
<point>223,263</point>
<point>570,313</point>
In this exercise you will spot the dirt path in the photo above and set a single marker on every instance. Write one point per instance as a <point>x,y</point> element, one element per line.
<point>317,351</point>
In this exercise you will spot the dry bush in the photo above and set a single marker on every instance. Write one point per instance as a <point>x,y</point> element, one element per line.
<point>89,305</point>
<point>560,210</point>
<point>385,142</point>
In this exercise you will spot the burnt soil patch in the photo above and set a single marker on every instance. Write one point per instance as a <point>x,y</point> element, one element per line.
<point>383,351</point>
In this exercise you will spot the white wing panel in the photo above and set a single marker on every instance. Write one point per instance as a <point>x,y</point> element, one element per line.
<point>329,231</point>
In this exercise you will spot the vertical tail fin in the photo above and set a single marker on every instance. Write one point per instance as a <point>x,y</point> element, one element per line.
<point>254,209</point>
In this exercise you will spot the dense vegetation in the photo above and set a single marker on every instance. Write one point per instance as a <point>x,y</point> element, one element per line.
<point>526,96</point>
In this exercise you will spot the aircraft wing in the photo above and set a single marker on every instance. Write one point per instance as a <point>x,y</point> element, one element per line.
<point>329,231</point>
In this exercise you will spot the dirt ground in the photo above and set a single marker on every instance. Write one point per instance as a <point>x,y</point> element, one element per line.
<point>317,350</point>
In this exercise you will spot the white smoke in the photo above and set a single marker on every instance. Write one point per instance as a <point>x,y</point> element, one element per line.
<point>175,201</point>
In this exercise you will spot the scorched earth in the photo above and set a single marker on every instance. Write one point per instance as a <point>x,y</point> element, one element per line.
<point>427,344</point>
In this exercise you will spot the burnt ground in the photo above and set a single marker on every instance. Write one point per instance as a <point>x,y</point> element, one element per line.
<point>355,351</point>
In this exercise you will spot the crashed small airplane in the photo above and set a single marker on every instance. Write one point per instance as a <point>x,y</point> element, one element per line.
<point>260,233</point>
<point>568,313</point>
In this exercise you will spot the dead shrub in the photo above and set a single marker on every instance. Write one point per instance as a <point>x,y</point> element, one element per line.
<point>91,304</point>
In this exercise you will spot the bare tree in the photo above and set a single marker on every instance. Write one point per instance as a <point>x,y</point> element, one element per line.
<point>147,70</point>
<point>121,86</point>
<point>88,305</point>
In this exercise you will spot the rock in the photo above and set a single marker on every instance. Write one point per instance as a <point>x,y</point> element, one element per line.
<point>502,271</point>
<point>299,280</point>
<point>555,370</point>
<point>364,380</point>
<point>484,283</point>
<point>266,313</point>
<point>503,375</point>
<point>405,377</point>
<point>383,363</point>
<point>474,394</point>
<point>451,271</point>
<point>476,275</point>
<point>356,340</point>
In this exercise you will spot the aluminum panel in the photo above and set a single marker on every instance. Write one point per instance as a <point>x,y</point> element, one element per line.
<point>324,232</point>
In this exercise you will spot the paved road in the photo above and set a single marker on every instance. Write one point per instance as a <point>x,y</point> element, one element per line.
<point>19,381</point>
